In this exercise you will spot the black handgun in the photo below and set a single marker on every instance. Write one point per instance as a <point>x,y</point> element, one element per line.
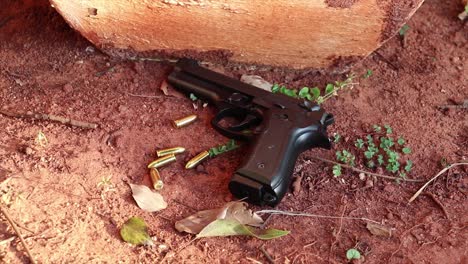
<point>277,127</point>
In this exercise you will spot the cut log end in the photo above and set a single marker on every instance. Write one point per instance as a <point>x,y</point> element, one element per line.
<point>303,34</point>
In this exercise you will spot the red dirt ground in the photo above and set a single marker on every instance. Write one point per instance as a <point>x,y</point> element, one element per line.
<point>53,191</point>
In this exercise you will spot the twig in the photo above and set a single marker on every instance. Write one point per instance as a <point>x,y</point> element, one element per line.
<point>145,96</point>
<point>393,66</point>
<point>54,118</point>
<point>366,172</point>
<point>337,235</point>
<point>12,223</point>
<point>439,204</point>
<point>278,212</point>
<point>267,255</point>
<point>433,179</point>
<point>253,260</point>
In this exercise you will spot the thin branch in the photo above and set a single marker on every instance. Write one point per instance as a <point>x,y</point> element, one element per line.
<point>267,255</point>
<point>145,96</point>
<point>54,118</point>
<point>279,212</point>
<point>366,172</point>
<point>12,223</point>
<point>434,178</point>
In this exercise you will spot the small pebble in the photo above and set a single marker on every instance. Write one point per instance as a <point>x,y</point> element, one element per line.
<point>369,183</point>
<point>390,216</point>
<point>200,168</point>
<point>362,176</point>
<point>28,151</point>
<point>67,88</point>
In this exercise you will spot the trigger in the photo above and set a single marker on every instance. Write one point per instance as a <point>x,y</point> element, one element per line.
<point>249,121</point>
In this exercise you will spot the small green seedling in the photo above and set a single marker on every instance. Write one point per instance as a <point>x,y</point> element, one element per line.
<point>353,254</point>
<point>378,150</point>
<point>336,170</point>
<point>345,157</point>
<point>403,30</point>
<point>193,97</point>
<point>230,145</point>
<point>368,74</point>
<point>336,138</point>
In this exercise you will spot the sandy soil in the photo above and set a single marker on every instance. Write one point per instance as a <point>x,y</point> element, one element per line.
<point>67,216</point>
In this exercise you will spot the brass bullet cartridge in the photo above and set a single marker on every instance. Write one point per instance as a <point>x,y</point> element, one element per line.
<point>156,179</point>
<point>197,159</point>
<point>169,151</point>
<point>162,161</point>
<point>184,121</point>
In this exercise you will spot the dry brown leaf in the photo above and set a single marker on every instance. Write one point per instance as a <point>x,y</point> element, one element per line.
<point>146,199</point>
<point>168,90</point>
<point>231,211</point>
<point>256,81</point>
<point>379,230</point>
<point>164,87</point>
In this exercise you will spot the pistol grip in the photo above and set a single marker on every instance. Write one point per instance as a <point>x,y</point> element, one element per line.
<point>265,175</point>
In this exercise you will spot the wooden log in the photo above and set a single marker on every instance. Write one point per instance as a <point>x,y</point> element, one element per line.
<point>296,34</point>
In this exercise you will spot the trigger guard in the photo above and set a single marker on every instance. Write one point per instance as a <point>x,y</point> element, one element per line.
<point>234,132</point>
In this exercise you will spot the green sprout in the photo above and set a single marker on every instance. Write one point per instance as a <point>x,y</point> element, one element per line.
<point>359,143</point>
<point>403,30</point>
<point>193,97</point>
<point>353,254</point>
<point>336,170</point>
<point>368,74</point>
<point>230,145</point>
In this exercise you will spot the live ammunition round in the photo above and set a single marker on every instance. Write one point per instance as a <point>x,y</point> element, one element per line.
<point>197,159</point>
<point>169,151</point>
<point>184,121</point>
<point>162,161</point>
<point>156,179</point>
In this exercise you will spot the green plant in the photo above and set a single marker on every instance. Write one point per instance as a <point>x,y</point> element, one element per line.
<point>403,30</point>
<point>230,145</point>
<point>193,97</point>
<point>367,74</point>
<point>314,94</point>
<point>376,150</point>
<point>345,157</point>
<point>353,253</point>
<point>359,143</point>
<point>336,170</point>
<point>336,138</point>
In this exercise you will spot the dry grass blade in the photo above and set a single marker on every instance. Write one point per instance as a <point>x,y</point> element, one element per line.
<point>12,223</point>
<point>434,178</point>
<point>279,212</point>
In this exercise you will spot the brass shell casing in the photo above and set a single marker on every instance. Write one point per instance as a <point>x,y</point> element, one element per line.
<point>184,121</point>
<point>162,161</point>
<point>156,179</point>
<point>169,151</point>
<point>197,159</point>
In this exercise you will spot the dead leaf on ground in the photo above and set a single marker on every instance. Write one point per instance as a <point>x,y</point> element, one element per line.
<point>168,90</point>
<point>135,232</point>
<point>146,199</point>
<point>237,211</point>
<point>256,81</point>
<point>379,230</point>
<point>231,227</point>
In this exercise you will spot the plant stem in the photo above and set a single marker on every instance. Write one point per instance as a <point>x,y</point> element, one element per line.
<point>279,212</point>
<point>366,172</point>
